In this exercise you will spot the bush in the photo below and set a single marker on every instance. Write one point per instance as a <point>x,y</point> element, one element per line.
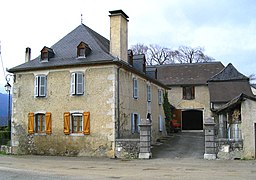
<point>5,136</point>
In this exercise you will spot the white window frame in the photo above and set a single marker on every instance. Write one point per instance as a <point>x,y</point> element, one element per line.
<point>40,89</point>
<point>135,88</point>
<point>160,122</point>
<point>76,86</point>
<point>160,96</point>
<point>134,123</point>
<point>149,93</point>
<point>35,123</point>
<point>71,124</point>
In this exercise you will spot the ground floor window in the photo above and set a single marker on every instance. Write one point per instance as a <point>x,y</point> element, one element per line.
<point>39,123</point>
<point>76,123</point>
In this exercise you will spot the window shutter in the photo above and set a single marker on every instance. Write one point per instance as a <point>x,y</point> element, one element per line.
<point>31,123</point>
<point>80,83</point>
<point>42,86</point>
<point>66,123</point>
<point>133,124</point>
<point>73,83</point>
<point>160,123</point>
<point>184,92</point>
<point>193,92</point>
<point>135,88</point>
<point>36,86</point>
<point>86,122</point>
<point>48,123</point>
<point>138,123</point>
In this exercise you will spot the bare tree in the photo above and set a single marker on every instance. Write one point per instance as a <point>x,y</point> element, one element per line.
<point>139,49</point>
<point>155,54</point>
<point>252,77</point>
<point>187,54</point>
<point>160,55</point>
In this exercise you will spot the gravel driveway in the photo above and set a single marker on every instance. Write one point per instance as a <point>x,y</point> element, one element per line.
<point>180,145</point>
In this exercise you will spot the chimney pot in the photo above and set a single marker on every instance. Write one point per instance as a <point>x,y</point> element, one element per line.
<point>28,54</point>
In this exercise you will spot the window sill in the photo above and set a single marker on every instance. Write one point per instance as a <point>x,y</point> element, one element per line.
<point>76,134</point>
<point>40,134</point>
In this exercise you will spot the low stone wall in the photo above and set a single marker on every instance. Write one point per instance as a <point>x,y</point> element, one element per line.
<point>229,148</point>
<point>6,149</point>
<point>127,148</point>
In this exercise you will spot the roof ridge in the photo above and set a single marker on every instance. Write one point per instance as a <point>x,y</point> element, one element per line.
<point>98,38</point>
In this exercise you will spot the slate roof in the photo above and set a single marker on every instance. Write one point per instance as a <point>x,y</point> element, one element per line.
<point>234,102</point>
<point>228,73</point>
<point>222,92</point>
<point>227,84</point>
<point>187,74</point>
<point>66,51</point>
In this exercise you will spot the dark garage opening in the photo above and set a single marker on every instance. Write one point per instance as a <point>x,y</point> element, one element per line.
<point>192,120</point>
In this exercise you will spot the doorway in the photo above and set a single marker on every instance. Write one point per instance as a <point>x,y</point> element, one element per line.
<point>192,120</point>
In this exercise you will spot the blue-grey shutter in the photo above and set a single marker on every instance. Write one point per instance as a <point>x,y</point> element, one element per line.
<point>135,88</point>
<point>79,83</point>
<point>42,85</point>
<point>160,123</point>
<point>73,83</point>
<point>36,86</point>
<point>133,123</point>
<point>138,123</point>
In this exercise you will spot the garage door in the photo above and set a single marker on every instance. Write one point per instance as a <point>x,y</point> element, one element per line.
<point>192,120</point>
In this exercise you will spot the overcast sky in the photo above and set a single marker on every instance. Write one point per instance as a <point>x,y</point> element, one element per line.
<point>226,29</point>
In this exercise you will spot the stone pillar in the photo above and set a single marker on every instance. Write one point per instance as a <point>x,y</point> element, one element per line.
<point>210,145</point>
<point>145,145</point>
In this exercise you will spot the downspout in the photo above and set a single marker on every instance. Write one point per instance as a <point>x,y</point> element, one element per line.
<point>118,103</point>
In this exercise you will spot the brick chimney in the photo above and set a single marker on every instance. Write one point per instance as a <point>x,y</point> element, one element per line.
<point>119,34</point>
<point>28,54</point>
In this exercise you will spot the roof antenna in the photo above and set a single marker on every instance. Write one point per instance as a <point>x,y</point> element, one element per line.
<point>81,18</point>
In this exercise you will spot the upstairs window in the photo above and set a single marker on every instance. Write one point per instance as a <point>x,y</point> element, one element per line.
<point>135,88</point>
<point>39,123</point>
<point>77,83</point>
<point>40,86</point>
<point>160,96</point>
<point>188,92</point>
<point>149,94</point>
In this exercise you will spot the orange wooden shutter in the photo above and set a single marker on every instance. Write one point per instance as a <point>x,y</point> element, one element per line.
<point>48,123</point>
<point>86,122</point>
<point>67,123</point>
<point>31,123</point>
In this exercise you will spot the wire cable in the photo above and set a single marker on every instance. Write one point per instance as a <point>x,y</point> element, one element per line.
<point>2,63</point>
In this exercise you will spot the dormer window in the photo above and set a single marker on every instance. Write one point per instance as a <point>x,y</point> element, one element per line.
<point>83,50</point>
<point>46,54</point>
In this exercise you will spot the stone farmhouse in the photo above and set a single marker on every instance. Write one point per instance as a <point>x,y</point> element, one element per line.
<point>81,95</point>
<point>189,92</point>
<point>203,91</point>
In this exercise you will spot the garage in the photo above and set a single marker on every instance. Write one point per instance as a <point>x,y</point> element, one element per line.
<point>192,120</point>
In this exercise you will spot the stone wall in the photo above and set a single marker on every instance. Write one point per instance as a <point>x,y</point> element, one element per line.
<point>129,105</point>
<point>201,101</point>
<point>98,99</point>
<point>229,149</point>
<point>127,148</point>
<point>248,127</point>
